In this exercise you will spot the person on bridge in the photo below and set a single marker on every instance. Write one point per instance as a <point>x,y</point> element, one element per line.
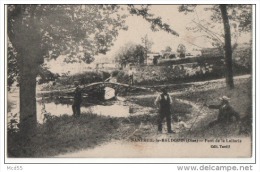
<point>111,79</point>
<point>131,76</point>
<point>164,101</point>
<point>226,112</point>
<point>77,100</point>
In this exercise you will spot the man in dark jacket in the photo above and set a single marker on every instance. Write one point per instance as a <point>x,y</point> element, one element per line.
<point>226,112</point>
<point>77,100</point>
<point>164,101</point>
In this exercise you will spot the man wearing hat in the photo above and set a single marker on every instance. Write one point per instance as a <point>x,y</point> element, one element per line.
<point>226,112</point>
<point>77,100</point>
<point>131,73</point>
<point>164,101</point>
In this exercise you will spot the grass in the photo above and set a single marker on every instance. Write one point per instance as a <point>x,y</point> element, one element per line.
<point>241,100</point>
<point>63,134</point>
<point>178,108</point>
<point>241,96</point>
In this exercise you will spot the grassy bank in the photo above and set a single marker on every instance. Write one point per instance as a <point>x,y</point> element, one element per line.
<point>241,101</point>
<point>177,108</point>
<point>66,134</point>
<point>241,96</point>
<point>63,134</point>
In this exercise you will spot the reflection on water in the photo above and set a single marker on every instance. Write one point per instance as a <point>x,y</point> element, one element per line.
<point>114,110</point>
<point>109,93</point>
<point>57,106</point>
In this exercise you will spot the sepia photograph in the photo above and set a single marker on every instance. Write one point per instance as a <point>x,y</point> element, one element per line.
<point>129,80</point>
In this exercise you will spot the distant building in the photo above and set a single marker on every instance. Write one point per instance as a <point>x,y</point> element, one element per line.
<point>106,65</point>
<point>169,55</point>
<point>152,58</point>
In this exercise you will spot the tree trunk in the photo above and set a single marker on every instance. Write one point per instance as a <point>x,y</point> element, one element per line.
<point>227,47</point>
<point>27,42</point>
<point>28,115</point>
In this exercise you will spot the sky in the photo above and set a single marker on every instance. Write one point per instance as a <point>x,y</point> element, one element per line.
<point>138,28</point>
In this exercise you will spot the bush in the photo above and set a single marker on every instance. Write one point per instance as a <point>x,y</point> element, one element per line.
<point>121,76</point>
<point>192,69</point>
<point>63,134</point>
<point>83,78</point>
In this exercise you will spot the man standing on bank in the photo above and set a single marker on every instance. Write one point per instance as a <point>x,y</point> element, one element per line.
<point>164,101</point>
<point>77,100</point>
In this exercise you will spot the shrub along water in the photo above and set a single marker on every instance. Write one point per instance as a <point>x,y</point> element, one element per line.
<point>63,134</point>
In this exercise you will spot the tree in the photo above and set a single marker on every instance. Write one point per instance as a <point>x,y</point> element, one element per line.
<point>182,50</point>
<point>168,49</point>
<point>46,31</point>
<point>227,47</point>
<point>130,53</point>
<point>36,32</point>
<point>45,75</point>
<point>156,22</point>
<point>147,45</point>
<point>88,58</point>
<point>239,15</point>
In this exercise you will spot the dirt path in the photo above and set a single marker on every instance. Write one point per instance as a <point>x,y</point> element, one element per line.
<point>197,86</point>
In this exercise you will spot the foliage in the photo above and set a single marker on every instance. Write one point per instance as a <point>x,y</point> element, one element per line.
<point>65,29</point>
<point>46,75</point>
<point>12,68</point>
<point>77,31</point>
<point>63,134</point>
<point>240,18</point>
<point>88,58</point>
<point>122,76</point>
<point>237,13</point>
<point>147,43</point>
<point>156,22</point>
<point>240,15</point>
<point>168,49</point>
<point>182,50</point>
<point>242,60</point>
<point>191,69</point>
<point>130,53</point>
<point>83,78</point>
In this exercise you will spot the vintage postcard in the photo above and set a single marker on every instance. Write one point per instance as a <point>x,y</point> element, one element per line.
<point>129,81</point>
